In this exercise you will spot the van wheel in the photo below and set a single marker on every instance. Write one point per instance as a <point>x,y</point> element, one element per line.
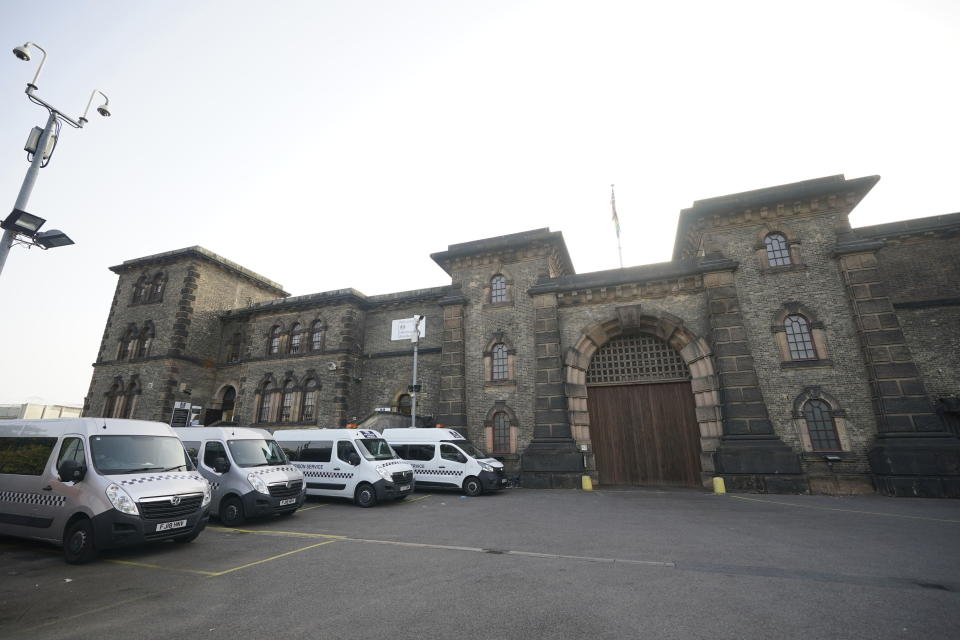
<point>78,543</point>
<point>472,486</point>
<point>231,512</point>
<point>366,495</point>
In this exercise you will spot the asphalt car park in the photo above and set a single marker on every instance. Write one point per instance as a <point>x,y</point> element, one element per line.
<point>519,563</point>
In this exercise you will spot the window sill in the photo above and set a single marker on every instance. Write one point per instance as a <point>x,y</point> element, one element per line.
<point>498,305</point>
<point>492,384</point>
<point>767,269</point>
<point>822,455</point>
<point>806,364</point>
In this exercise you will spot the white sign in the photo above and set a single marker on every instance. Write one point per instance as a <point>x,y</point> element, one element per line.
<point>403,329</point>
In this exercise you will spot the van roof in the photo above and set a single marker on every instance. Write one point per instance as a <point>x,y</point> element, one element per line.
<point>222,433</point>
<point>320,434</point>
<point>435,434</point>
<point>56,427</point>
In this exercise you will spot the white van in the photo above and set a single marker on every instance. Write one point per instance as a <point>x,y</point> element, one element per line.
<point>444,459</point>
<point>247,471</point>
<point>347,463</point>
<point>98,483</point>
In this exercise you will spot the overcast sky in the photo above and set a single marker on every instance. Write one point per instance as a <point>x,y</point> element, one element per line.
<point>337,144</point>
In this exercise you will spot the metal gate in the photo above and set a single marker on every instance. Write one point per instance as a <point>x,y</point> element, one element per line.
<point>643,423</point>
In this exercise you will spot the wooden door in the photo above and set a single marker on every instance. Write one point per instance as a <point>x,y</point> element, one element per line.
<point>645,434</point>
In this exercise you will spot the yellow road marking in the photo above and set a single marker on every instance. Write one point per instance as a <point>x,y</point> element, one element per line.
<point>429,495</point>
<point>98,609</point>
<point>869,513</point>
<point>296,534</point>
<point>282,555</point>
<point>317,506</point>
<point>156,566</point>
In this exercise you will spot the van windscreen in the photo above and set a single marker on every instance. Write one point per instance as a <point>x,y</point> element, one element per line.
<point>468,448</point>
<point>376,449</point>
<point>256,453</point>
<point>113,455</point>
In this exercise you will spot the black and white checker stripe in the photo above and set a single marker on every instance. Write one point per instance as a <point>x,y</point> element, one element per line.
<point>50,500</point>
<point>327,474</point>
<point>440,472</point>
<point>163,476</point>
<point>272,469</point>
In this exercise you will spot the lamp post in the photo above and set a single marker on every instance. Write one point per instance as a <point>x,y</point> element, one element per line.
<point>20,226</point>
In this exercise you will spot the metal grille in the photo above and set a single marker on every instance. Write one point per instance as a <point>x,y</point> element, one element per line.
<point>820,426</point>
<point>280,489</point>
<point>164,509</point>
<point>636,359</point>
<point>798,338</point>
<point>402,477</point>
<point>778,253</point>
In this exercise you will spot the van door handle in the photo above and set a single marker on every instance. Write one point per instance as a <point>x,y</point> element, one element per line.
<point>336,468</point>
<point>48,488</point>
<point>442,467</point>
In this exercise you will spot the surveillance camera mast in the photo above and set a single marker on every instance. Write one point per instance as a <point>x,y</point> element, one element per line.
<point>20,226</point>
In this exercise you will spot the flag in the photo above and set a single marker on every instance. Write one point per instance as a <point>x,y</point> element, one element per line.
<point>613,205</point>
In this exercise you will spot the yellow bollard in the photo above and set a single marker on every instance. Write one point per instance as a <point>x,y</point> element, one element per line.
<point>586,483</point>
<point>718,486</point>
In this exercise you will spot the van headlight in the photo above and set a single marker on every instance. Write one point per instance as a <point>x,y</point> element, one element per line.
<point>484,466</point>
<point>257,483</point>
<point>206,494</point>
<point>121,500</point>
<point>385,473</point>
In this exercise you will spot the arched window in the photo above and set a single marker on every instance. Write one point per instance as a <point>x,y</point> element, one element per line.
<point>501,432</point>
<point>308,405</point>
<point>500,370</point>
<point>274,347</point>
<point>498,289</point>
<point>266,403</point>
<point>156,287</point>
<point>778,251</point>
<point>404,403</point>
<point>140,290</point>
<point>296,338</point>
<point>821,426</point>
<point>128,343</point>
<point>114,396</point>
<point>286,402</point>
<point>799,339</point>
<point>145,340</point>
<point>317,330</point>
<point>130,399</point>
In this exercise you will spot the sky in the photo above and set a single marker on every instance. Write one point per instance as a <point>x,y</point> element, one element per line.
<point>328,145</point>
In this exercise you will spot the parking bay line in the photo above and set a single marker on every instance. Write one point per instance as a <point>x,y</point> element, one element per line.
<point>282,555</point>
<point>869,513</point>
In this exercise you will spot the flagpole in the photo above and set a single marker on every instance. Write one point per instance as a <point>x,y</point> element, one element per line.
<point>616,224</point>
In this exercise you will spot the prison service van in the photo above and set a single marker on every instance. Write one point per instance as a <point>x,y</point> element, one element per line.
<point>443,459</point>
<point>96,483</point>
<point>247,470</point>
<point>347,463</point>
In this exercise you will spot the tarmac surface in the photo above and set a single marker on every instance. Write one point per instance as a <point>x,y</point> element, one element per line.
<point>631,563</point>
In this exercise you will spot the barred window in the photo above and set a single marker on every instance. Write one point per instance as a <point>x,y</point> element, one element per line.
<point>233,354</point>
<point>636,359</point>
<point>146,339</point>
<point>286,404</point>
<point>501,432</point>
<point>498,289</point>
<point>778,252</point>
<point>500,370</point>
<point>798,338</point>
<point>296,338</point>
<point>275,340</point>
<point>821,426</point>
<point>140,290</point>
<point>316,336</point>
<point>308,407</point>
<point>263,415</point>
<point>156,287</point>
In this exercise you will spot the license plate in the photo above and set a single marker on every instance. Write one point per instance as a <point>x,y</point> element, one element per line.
<point>287,501</point>
<point>163,526</point>
<point>405,487</point>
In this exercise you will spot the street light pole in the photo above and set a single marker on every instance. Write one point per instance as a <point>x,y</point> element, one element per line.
<point>416,343</point>
<point>27,187</point>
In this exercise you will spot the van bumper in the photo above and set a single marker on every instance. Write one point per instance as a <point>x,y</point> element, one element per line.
<point>261,505</point>
<point>389,490</point>
<point>492,481</point>
<point>112,529</point>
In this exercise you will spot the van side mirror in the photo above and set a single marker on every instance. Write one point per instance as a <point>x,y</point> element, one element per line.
<point>221,465</point>
<point>353,459</point>
<point>71,471</point>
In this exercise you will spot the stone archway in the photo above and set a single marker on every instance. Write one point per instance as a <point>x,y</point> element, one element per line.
<point>692,348</point>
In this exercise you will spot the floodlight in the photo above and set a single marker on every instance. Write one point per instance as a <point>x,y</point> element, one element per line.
<point>52,238</point>
<point>22,222</point>
<point>22,53</point>
<point>103,109</point>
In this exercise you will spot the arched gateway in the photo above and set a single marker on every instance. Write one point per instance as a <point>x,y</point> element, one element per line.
<point>644,400</point>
